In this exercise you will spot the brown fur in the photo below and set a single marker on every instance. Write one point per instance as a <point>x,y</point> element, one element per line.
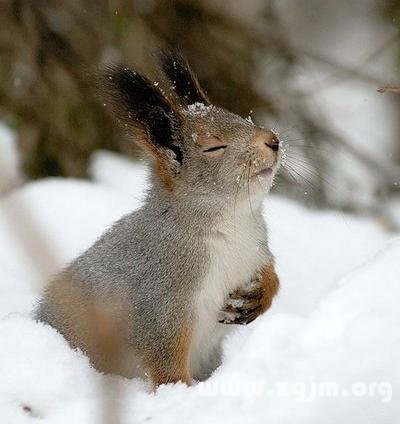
<point>270,283</point>
<point>174,365</point>
<point>100,332</point>
<point>165,175</point>
<point>95,326</point>
<point>256,300</point>
<point>161,166</point>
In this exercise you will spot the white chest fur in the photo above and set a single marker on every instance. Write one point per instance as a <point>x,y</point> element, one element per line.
<point>236,252</point>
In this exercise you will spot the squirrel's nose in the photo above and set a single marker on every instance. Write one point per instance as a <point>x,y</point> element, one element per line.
<point>267,139</point>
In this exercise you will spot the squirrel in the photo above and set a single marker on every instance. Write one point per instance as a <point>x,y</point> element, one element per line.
<point>157,292</point>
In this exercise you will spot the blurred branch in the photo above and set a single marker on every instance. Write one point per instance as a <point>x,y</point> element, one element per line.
<point>344,72</point>
<point>388,170</point>
<point>389,89</point>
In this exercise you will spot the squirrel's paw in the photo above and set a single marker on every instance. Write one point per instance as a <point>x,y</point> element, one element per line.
<point>243,306</point>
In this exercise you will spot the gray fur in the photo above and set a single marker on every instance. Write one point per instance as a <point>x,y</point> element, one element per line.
<point>148,268</point>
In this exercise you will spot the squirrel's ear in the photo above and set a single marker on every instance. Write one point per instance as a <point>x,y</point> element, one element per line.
<point>139,105</point>
<point>184,81</point>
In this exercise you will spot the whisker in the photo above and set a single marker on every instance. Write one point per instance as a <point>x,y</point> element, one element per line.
<point>284,131</point>
<point>314,171</point>
<point>287,170</point>
<point>292,140</point>
<point>248,191</point>
<point>308,183</point>
<point>301,182</point>
<point>236,196</point>
<point>300,160</point>
<point>292,146</point>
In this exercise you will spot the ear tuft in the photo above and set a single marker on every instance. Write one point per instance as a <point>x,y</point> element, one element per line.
<point>184,81</point>
<point>138,103</point>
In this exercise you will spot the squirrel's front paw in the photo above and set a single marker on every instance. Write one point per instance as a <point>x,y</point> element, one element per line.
<point>243,306</point>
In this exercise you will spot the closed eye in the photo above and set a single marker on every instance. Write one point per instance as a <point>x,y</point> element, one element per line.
<point>214,148</point>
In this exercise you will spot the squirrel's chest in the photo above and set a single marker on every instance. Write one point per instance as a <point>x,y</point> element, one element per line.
<point>235,255</point>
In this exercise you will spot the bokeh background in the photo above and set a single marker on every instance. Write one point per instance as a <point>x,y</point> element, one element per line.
<point>309,69</point>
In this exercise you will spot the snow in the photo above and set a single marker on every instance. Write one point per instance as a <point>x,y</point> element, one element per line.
<point>198,109</point>
<point>336,318</point>
<point>118,173</point>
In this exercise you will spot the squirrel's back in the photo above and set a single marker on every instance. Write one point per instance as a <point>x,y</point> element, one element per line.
<point>144,266</point>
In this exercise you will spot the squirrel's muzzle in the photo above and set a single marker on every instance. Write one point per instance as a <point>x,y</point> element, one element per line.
<point>266,140</point>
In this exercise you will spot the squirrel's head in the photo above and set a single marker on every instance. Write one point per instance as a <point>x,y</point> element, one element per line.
<point>197,149</point>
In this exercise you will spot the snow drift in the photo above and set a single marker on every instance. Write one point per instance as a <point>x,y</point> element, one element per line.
<point>336,319</point>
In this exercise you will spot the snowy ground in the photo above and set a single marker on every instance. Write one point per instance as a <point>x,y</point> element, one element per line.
<point>336,320</point>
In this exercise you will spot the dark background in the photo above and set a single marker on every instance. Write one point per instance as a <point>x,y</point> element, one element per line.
<point>250,57</point>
